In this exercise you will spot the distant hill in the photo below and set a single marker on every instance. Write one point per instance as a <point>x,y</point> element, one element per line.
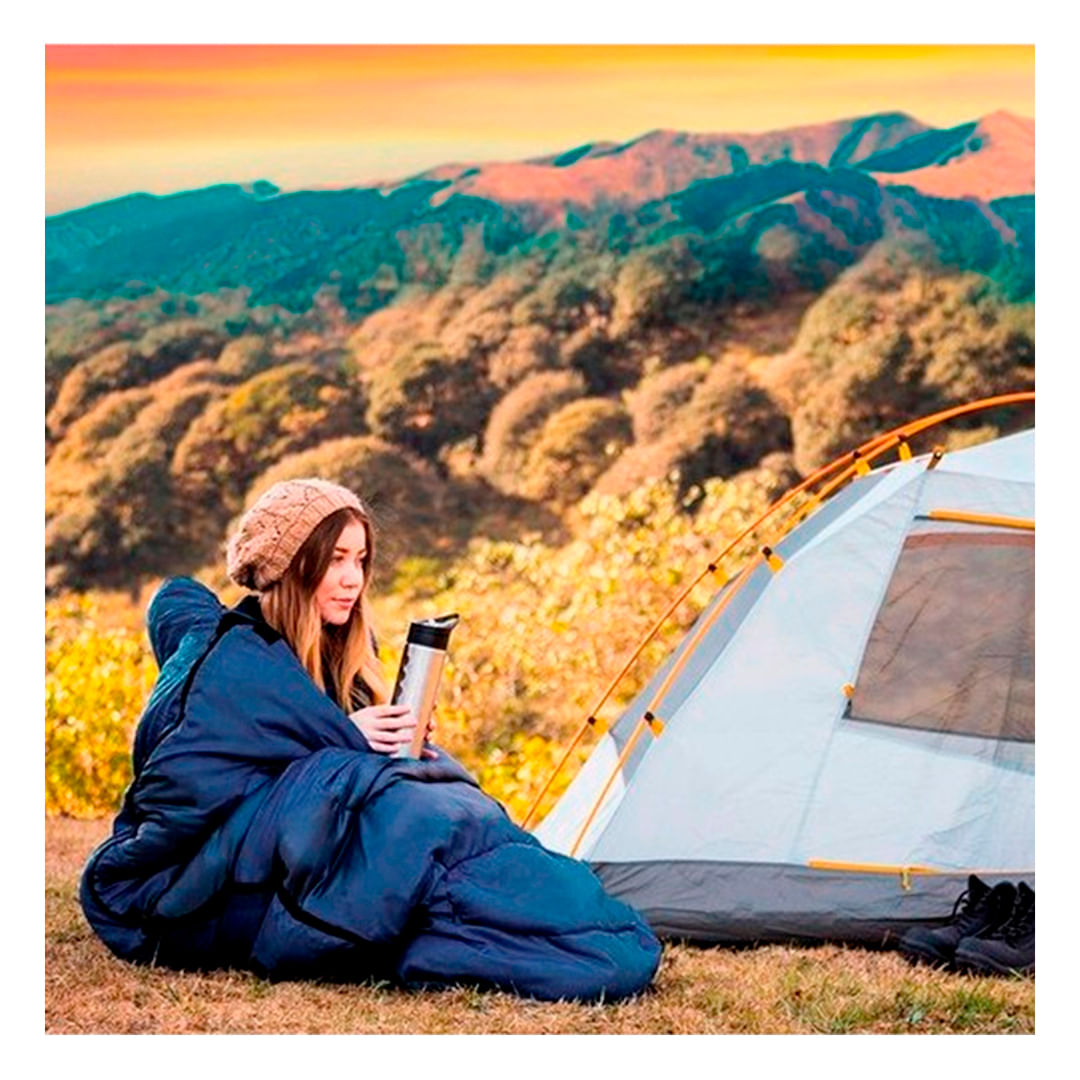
<point>835,187</point>
<point>991,159</point>
<point>661,163</point>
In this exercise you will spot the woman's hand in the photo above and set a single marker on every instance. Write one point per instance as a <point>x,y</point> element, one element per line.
<point>386,727</point>
<point>389,727</point>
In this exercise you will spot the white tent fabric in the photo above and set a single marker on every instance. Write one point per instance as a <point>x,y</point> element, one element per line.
<point>762,775</point>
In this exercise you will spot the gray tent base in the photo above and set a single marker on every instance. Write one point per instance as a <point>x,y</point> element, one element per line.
<point>756,903</point>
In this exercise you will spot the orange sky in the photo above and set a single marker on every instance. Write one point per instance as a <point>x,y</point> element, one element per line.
<point>123,118</point>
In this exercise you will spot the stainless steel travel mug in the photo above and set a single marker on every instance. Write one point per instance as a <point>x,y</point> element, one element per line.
<point>418,676</point>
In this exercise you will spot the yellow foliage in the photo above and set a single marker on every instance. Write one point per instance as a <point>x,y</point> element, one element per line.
<point>96,682</point>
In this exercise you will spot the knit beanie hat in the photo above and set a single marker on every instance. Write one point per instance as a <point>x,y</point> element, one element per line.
<point>275,527</point>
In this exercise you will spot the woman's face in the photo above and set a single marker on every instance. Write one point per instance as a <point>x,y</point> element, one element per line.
<point>339,591</point>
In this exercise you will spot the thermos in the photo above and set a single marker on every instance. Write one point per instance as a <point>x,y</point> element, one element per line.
<point>418,676</point>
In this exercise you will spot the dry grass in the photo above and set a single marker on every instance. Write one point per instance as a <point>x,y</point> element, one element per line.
<point>697,991</point>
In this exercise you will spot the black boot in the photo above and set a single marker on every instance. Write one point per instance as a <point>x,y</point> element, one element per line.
<point>976,910</point>
<point>1006,949</point>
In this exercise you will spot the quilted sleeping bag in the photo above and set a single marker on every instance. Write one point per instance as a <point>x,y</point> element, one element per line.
<point>260,831</point>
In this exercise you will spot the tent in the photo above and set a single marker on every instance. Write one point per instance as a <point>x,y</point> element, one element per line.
<point>847,730</point>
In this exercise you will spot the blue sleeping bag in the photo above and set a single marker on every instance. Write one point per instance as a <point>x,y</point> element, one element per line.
<point>262,832</point>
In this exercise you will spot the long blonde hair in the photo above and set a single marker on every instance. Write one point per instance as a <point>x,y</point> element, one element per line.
<point>343,656</point>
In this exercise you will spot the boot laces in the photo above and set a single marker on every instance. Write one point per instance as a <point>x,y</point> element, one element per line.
<point>966,909</point>
<point>1019,923</point>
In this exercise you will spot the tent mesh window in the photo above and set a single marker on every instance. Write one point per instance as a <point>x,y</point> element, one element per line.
<point>953,646</point>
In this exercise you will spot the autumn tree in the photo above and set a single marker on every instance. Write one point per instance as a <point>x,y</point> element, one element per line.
<point>276,412</point>
<point>128,521</point>
<point>890,341</point>
<point>657,401</point>
<point>524,351</point>
<point>516,422</point>
<point>649,286</point>
<point>130,363</point>
<point>695,421</point>
<point>424,400</point>
<point>575,445</point>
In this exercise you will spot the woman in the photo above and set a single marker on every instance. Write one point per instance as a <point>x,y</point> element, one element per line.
<point>268,827</point>
<point>316,597</point>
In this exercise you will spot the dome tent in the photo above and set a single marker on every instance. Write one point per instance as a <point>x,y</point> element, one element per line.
<point>847,731</point>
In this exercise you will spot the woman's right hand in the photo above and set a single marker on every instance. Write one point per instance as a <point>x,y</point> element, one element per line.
<point>386,727</point>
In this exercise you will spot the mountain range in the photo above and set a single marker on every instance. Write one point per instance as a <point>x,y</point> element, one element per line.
<point>812,197</point>
<point>987,159</point>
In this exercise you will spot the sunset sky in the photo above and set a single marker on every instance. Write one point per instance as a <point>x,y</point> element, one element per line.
<point>124,118</point>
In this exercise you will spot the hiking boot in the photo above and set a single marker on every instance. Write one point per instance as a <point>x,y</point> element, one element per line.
<point>977,909</point>
<point>1006,949</point>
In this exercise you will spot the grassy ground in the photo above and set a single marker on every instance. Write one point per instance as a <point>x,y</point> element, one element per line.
<point>706,991</point>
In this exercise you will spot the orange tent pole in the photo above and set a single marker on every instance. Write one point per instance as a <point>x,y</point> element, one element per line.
<point>966,518</point>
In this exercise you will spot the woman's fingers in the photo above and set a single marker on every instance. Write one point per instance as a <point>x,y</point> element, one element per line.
<point>394,724</point>
<point>392,715</point>
<point>387,742</point>
<point>401,737</point>
<point>385,748</point>
<point>384,717</point>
